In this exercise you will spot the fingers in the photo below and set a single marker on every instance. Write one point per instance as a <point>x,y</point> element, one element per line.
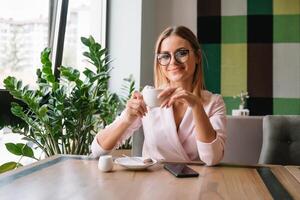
<point>165,96</point>
<point>166,92</point>
<point>136,95</point>
<point>141,102</point>
<point>179,95</point>
<point>135,111</point>
<point>136,105</point>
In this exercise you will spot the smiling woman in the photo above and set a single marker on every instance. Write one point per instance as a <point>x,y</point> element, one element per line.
<point>190,123</point>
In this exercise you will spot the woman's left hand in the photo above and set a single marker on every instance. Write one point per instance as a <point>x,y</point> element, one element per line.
<point>173,94</point>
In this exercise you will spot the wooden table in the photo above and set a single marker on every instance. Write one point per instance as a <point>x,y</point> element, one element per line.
<point>74,177</point>
<point>295,171</point>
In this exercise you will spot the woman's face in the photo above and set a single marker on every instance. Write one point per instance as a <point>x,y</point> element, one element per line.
<point>180,69</point>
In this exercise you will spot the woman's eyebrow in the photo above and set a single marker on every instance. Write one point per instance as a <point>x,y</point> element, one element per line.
<point>180,48</point>
<point>164,52</point>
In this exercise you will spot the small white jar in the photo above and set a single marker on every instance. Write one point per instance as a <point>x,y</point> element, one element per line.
<point>105,163</point>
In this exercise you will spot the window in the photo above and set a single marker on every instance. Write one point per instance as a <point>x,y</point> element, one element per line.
<point>24,33</point>
<point>84,19</point>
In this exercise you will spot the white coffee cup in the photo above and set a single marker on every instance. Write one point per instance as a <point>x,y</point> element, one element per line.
<point>105,163</point>
<point>150,96</point>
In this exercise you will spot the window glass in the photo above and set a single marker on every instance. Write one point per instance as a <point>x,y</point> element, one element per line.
<point>23,35</point>
<point>85,18</point>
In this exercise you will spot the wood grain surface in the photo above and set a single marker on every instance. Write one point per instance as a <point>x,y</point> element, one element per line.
<point>67,177</point>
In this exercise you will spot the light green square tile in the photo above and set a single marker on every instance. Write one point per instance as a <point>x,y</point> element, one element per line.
<point>233,69</point>
<point>286,7</point>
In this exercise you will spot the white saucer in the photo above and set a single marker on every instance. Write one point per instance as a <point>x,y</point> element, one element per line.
<point>134,162</point>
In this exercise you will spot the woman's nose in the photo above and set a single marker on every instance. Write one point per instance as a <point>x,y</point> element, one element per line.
<point>173,61</point>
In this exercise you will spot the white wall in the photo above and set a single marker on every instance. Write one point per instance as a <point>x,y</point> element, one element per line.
<point>133,26</point>
<point>124,36</point>
<point>175,13</point>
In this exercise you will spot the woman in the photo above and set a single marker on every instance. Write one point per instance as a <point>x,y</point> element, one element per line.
<point>191,122</point>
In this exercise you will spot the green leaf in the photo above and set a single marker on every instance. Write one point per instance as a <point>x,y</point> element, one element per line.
<point>26,150</point>
<point>13,148</point>
<point>88,73</point>
<point>19,84</point>
<point>70,73</point>
<point>87,54</point>
<point>91,40</point>
<point>102,52</point>
<point>9,166</point>
<point>47,70</point>
<point>43,110</point>
<point>16,109</point>
<point>85,41</point>
<point>9,82</point>
<point>50,78</point>
<point>45,55</point>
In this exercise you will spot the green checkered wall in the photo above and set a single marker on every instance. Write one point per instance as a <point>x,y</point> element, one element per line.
<point>252,46</point>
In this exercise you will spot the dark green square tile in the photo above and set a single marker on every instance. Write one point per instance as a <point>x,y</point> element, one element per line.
<point>231,104</point>
<point>260,7</point>
<point>286,28</point>
<point>234,29</point>
<point>212,67</point>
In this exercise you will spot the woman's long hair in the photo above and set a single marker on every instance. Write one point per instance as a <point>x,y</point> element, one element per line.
<point>159,78</point>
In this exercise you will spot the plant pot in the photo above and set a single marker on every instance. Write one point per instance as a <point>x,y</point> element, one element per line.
<point>240,112</point>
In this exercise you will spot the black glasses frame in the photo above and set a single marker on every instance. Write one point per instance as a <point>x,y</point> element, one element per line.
<point>176,56</point>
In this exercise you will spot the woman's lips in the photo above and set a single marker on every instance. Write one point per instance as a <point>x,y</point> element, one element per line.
<point>175,69</point>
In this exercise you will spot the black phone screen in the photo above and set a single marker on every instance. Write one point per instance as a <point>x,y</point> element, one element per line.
<point>181,170</point>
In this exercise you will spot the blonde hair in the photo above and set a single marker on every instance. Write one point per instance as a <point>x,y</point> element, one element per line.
<point>159,78</point>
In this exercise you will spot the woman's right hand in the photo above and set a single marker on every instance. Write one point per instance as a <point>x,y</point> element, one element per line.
<point>135,107</point>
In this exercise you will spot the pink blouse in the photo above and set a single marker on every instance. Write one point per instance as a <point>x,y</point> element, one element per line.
<point>163,141</point>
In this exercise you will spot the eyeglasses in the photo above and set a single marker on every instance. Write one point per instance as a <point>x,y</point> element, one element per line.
<point>181,56</point>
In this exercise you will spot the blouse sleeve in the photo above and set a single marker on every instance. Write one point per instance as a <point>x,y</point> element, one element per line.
<point>212,153</point>
<point>96,148</point>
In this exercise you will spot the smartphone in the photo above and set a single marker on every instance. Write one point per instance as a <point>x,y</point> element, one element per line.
<point>181,170</point>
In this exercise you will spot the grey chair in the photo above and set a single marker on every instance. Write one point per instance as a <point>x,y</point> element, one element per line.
<point>137,142</point>
<point>244,139</point>
<point>281,140</point>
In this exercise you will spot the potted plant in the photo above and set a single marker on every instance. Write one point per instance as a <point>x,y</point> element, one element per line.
<point>242,111</point>
<point>64,114</point>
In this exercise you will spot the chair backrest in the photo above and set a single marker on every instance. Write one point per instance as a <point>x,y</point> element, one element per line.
<point>137,142</point>
<point>244,139</point>
<point>281,140</point>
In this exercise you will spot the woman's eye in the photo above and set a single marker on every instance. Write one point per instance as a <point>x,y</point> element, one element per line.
<point>182,53</point>
<point>164,56</point>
